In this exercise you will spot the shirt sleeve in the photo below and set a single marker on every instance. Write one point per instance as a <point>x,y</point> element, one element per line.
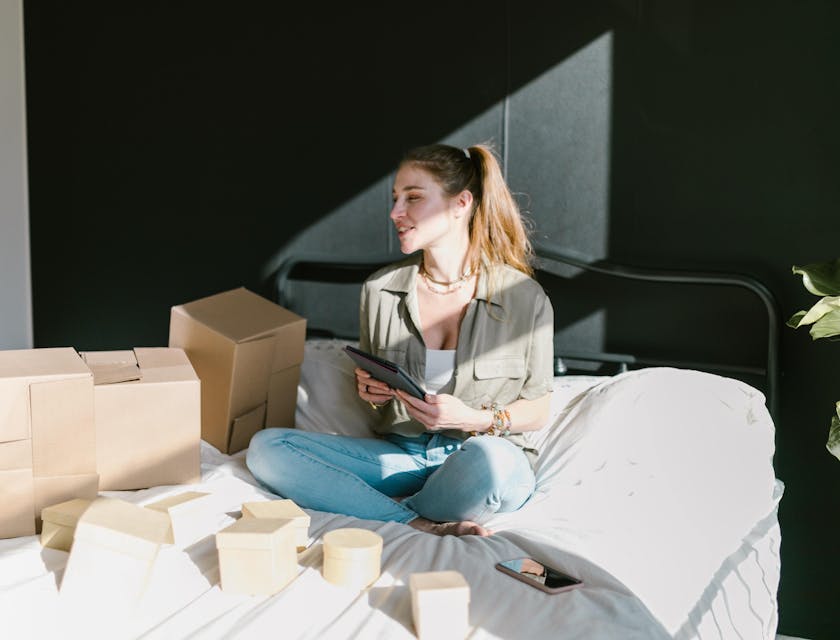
<point>539,376</point>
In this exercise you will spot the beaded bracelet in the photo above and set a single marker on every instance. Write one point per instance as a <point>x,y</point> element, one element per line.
<point>500,425</point>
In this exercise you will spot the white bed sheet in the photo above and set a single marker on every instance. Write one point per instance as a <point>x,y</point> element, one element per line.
<point>656,487</point>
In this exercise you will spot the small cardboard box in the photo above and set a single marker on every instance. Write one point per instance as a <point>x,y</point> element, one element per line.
<point>247,352</point>
<point>46,429</point>
<point>257,556</point>
<point>352,557</point>
<point>114,549</point>
<point>440,602</point>
<point>148,418</point>
<point>60,522</point>
<point>281,509</point>
<point>190,516</point>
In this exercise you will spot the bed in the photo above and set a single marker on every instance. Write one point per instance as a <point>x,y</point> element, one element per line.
<point>655,486</point>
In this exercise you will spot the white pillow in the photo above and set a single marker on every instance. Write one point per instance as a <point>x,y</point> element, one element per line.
<point>327,401</point>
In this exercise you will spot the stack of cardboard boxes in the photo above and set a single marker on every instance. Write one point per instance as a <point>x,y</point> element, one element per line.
<point>47,435</point>
<point>74,424</point>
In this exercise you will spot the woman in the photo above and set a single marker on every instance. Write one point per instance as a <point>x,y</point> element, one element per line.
<point>461,314</point>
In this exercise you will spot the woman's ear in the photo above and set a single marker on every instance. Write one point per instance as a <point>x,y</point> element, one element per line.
<point>464,200</point>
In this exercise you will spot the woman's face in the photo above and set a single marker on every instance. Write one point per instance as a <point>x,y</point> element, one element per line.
<point>422,213</point>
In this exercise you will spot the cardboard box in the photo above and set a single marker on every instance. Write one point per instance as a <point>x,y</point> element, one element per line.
<point>440,602</point>
<point>257,556</point>
<point>148,418</point>
<point>60,522</point>
<point>46,429</point>
<point>190,514</point>
<point>114,549</point>
<point>352,557</point>
<point>285,510</point>
<point>247,352</point>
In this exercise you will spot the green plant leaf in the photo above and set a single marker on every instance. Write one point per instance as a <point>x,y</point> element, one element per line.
<point>821,308</point>
<point>833,444</point>
<point>827,326</point>
<point>821,278</point>
<point>796,319</point>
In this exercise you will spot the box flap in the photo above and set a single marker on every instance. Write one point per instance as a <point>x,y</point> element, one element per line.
<point>244,427</point>
<point>112,367</point>
<point>164,364</point>
<point>60,362</point>
<point>256,533</point>
<point>63,430</point>
<point>239,314</point>
<point>66,513</point>
<point>288,348</point>
<point>251,374</point>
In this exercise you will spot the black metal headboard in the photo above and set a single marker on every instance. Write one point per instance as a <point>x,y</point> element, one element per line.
<point>319,268</point>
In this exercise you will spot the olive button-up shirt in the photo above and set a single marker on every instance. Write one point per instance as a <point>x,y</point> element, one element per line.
<point>505,340</point>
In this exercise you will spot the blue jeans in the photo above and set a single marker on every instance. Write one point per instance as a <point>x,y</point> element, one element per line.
<point>447,479</point>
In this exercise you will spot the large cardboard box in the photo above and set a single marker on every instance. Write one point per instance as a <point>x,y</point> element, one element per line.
<point>148,418</point>
<point>46,432</point>
<point>247,352</point>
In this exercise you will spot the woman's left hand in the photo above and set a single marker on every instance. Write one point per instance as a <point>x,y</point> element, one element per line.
<point>443,411</point>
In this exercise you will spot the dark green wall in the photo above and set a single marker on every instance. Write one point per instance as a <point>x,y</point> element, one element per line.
<point>178,149</point>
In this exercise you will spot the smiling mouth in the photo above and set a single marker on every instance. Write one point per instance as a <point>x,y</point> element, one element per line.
<point>401,231</point>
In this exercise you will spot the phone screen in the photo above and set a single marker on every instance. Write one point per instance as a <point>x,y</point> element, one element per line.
<point>529,569</point>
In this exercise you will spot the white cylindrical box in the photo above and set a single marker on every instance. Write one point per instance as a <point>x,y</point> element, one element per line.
<point>352,557</point>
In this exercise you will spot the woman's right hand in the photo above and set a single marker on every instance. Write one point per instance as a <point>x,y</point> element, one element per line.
<point>372,390</point>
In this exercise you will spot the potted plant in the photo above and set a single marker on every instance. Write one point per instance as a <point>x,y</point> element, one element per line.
<point>823,279</point>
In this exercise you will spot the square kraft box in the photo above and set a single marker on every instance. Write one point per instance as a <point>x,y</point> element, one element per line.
<point>247,352</point>
<point>110,564</point>
<point>148,427</point>
<point>440,605</point>
<point>191,516</point>
<point>257,556</point>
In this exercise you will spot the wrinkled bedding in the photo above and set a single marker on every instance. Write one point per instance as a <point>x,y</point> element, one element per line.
<point>656,487</point>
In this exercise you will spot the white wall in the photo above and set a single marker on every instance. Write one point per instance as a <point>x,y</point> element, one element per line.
<point>15,279</point>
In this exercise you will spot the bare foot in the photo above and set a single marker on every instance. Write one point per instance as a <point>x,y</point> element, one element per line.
<point>463,528</point>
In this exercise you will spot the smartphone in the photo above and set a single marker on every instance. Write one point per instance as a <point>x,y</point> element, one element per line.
<point>539,575</point>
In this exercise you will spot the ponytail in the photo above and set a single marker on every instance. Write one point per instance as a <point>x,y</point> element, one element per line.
<point>498,235</point>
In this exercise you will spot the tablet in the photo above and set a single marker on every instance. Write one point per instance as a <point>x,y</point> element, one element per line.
<point>386,371</point>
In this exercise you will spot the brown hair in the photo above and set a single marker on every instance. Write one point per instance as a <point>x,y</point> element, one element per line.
<point>497,231</point>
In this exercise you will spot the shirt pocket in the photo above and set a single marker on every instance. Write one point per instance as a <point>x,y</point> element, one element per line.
<point>498,379</point>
